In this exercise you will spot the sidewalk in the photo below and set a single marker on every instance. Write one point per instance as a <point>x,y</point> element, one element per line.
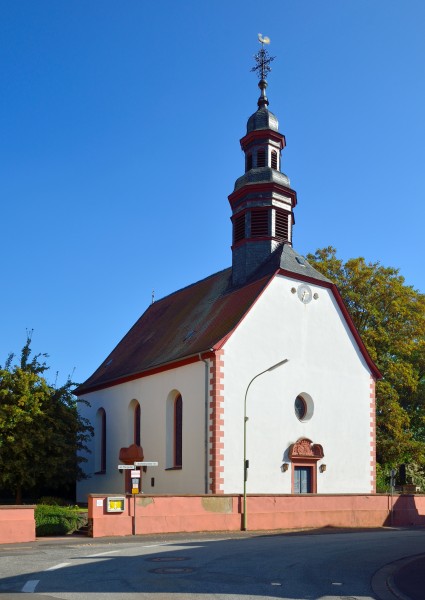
<point>409,579</point>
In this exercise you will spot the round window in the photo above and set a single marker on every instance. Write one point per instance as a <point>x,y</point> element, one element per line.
<point>300,407</point>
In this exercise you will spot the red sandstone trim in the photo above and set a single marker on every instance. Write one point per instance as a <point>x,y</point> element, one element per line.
<point>238,195</point>
<point>219,345</point>
<point>216,439</point>
<point>262,134</point>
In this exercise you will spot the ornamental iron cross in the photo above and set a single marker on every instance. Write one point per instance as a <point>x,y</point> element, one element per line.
<point>263,59</point>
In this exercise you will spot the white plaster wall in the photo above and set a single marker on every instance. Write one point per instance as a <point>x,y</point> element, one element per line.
<point>325,363</point>
<point>152,393</point>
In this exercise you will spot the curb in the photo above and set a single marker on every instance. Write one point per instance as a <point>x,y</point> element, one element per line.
<point>383,583</point>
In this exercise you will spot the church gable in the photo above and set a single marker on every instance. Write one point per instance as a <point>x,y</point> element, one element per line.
<point>323,370</point>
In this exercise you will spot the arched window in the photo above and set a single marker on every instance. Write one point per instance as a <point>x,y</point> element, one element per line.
<point>100,441</point>
<point>178,431</point>
<point>261,157</point>
<point>274,160</point>
<point>137,424</point>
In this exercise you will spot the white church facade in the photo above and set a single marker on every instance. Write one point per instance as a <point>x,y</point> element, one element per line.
<point>258,363</point>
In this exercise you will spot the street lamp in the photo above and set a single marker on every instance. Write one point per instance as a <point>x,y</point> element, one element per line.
<point>245,419</point>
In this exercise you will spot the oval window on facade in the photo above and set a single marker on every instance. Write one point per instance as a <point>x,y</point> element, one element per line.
<point>304,407</point>
<point>300,408</point>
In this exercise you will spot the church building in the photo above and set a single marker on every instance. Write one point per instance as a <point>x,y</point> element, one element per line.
<point>253,376</point>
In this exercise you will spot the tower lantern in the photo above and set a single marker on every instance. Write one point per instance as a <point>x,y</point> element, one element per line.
<point>262,200</point>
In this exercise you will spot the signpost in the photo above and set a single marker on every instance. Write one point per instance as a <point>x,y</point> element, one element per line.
<point>136,476</point>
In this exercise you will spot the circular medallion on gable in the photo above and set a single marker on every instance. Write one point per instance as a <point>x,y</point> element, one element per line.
<point>304,293</point>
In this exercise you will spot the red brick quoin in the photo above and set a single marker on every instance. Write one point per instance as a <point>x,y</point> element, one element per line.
<point>216,428</point>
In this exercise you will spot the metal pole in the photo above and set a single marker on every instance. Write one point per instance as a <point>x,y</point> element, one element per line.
<point>392,481</point>
<point>245,462</point>
<point>134,514</point>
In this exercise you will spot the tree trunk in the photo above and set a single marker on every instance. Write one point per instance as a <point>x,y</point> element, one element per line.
<point>18,496</point>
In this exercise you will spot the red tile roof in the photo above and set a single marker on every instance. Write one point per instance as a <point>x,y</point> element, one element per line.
<point>192,320</point>
<point>199,318</point>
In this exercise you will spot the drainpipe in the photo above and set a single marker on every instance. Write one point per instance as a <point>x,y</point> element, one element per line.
<point>206,363</point>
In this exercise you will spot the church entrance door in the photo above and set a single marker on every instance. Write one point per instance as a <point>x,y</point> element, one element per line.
<point>303,480</point>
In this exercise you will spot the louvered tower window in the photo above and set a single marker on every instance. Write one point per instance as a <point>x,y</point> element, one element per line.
<point>249,161</point>
<point>239,228</point>
<point>274,159</point>
<point>281,226</point>
<point>261,158</point>
<point>260,223</point>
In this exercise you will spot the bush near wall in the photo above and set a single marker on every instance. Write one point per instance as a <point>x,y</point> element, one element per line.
<point>57,520</point>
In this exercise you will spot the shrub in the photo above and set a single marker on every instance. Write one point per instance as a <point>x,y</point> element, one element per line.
<point>56,520</point>
<point>53,501</point>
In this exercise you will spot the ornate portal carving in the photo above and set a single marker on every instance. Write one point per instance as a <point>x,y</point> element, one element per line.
<point>304,448</point>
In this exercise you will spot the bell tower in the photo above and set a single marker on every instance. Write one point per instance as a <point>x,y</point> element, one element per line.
<point>262,201</point>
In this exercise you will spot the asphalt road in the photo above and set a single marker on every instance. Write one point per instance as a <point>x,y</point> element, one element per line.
<point>325,565</point>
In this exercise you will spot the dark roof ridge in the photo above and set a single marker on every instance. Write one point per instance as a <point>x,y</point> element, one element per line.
<point>186,287</point>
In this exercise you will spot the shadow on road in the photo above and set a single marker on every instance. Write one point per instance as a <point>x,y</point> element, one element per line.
<point>270,566</point>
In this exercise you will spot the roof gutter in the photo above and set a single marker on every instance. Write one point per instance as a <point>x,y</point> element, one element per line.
<point>206,425</point>
<point>187,360</point>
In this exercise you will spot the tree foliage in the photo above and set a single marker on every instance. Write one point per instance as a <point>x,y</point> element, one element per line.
<point>41,431</point>
<point>390,317</point>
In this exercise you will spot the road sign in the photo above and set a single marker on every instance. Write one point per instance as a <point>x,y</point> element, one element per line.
<point>135,474</point>
<point>126,466</point>
<point>145,464</point>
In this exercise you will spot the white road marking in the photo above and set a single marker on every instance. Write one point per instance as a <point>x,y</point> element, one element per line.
<point>30,586</point>
<point>102,554</point>
<point>59,566</point>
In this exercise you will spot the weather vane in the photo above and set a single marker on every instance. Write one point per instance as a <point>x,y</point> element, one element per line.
<point>263,59</point>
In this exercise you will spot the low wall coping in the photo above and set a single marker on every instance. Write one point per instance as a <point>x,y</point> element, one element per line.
<point>17,506</point>
<point>149,495</point>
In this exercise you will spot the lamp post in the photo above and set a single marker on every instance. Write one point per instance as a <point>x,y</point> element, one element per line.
<point>245,419</point>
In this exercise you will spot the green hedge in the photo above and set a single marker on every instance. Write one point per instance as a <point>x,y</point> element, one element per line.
<point>56,520</point>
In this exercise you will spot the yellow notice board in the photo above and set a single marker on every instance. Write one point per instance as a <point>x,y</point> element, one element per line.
<point>115,504</point>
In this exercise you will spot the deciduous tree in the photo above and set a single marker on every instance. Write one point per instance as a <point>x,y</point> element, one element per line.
<point>390,317</point>
<point>41,430</point>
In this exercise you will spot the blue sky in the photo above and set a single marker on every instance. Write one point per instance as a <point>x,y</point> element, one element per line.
<point>119,144</point>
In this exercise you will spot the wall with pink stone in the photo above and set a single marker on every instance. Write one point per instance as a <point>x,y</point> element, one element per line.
<point>17,524</point>
<point>171,514</point>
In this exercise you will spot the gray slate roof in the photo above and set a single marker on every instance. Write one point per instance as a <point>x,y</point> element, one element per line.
<point>262,119</point>
<point>285,257</point>
<point>262,175</point>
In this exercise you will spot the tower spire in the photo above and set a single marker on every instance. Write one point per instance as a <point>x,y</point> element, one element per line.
<point>262,67</point>
<point>262,201</point>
